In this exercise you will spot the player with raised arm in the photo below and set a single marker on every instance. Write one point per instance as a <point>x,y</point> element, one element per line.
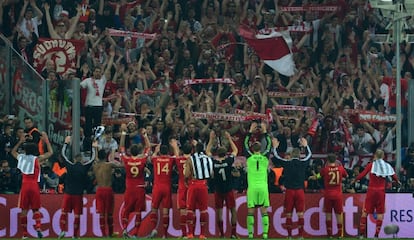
<point>198,169</point>
<point>379,170</point>
<point>223,173</point>
<point>161,193</point>
<point>182,185</point>
<point>75,181</point>
<point>257,166</point>
<point>294,175</point>
<point>29,164</point>
<point>104,194</point>
<point>332,175</point>
<point>135,169</point>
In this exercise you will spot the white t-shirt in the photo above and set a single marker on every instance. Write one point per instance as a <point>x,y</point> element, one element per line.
<point>35,22</point>
<point>386,145</point>
<point>95,90</point>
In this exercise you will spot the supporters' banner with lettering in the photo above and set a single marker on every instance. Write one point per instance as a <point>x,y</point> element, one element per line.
<point>123,33</point>
<point>63,52</point>
<point>294,108</point>
<point>292,94</point>
<point>398,209</point>
<point>310,8</point>
<point>365,116</point>
<point>208,80</point>
<point>116,121</point>
<point>219,116</point>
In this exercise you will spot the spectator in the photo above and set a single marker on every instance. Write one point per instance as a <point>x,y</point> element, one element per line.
<point>363,141</point>
<point>118,181</point>
<point>28,24</point>
<point>108,143</point>
<point>9,179</point>
<point>49,181</point>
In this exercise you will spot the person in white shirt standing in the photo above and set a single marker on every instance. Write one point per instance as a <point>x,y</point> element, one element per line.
<point>29,23</point>
<point>95,86</point>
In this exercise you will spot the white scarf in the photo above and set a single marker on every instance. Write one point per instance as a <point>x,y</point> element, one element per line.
<point>381,168</point>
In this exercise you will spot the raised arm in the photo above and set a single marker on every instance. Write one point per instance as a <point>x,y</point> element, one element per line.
<point>52,32</point>
<point>210,143</point>
<point>14,150</point>
<point>64,148</point>
<point>234,149</point>
<point>276,156</point>
<point>49,152</point>
<point>253,127</point>
<point>304,143</point>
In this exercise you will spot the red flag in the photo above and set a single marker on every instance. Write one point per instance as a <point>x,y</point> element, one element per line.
<point>272,48</point>
<point>62,52</point>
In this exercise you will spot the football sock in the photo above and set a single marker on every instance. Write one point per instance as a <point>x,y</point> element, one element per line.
<point>190,221</point>
<point>76,225</point>
<point>220,227</point>
<point>183,224</point>
<point>289,226</point>
<point>362,226</point>
<point>301,222</point>
<point>329,227</point>
<point>265,224</point>
<point>110,221</point>
<point>203,222</point>
<point>378,227</point>
<point>165,223</point>
<point>62,221</point>
<point>250,224</point>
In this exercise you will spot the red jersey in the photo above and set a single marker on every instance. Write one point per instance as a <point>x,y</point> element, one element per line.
<point>375,182</point>
<point>180,163</point>
<point>332,179</point>
<point>392,89</point>
<point>162,169</point>
<point>134,170</point>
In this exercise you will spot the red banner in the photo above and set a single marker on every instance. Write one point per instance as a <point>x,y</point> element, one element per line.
<point>398,211</point>
<point>63,52</point>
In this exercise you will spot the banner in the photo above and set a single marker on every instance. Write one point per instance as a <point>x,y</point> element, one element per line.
<point>219,116</point>
<point>398,211</point>
<point>310,8</point>
<point>208,80</point>
<point>294,108</point>
<point>123,33</point>
<point>63,52</point>
<point>292,94</point>
<point>376,117</point>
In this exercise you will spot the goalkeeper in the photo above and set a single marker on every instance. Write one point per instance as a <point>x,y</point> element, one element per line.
<point>257,167</point>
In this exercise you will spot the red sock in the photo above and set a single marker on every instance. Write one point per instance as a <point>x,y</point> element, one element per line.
<point>289,226</point>
<point>125,218</point>
<point>329,227</point>
<point>233,229</point>
<point>154,219</point>
<point>137,222</point>
<point>23,224</point>
<point>190,222</point>
<point>362,226</point>
<point>183,224</point>
<point>301,222</point>
<point>165,223</point>
<point>102,224</point>
<point>62,221</point>
<point>378,227</point>
<point>110,221</point>
<point>220,227</point>
<point>340,229</point>
<point>76,225</point>
<point>37,217</point>
<point>203,223</point>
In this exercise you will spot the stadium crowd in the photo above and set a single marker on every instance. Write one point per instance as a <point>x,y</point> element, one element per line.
<point>151,83</point>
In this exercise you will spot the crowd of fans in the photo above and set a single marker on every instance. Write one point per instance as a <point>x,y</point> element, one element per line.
<point>341,71</point>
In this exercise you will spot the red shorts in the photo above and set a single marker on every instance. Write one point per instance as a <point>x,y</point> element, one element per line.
<point>228,197</point>
<point>134,200</point>
<point>294,199</point>
<point>72,202</point>
<point>375,201</point>
<point>29,197</point>
<point>197,195</point>
<point>182,197</point>
<point>333,202</point>
<point>161,196</point>
<point>104,200</point>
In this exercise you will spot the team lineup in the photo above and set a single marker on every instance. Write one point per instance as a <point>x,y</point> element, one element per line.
<point>197,164</point>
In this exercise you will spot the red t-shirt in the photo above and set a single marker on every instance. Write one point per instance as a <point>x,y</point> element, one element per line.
<point>392,86</point>
<point>332,179</point>
<point>134,170</point>
<point>162,170</point>
<point>180,163</point>
<point>375,182</point>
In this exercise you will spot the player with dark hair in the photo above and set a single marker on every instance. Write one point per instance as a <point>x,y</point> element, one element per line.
<point>198,169</point>
<point>332,175</point>
<point>29,164</point>
<point>75,181</point>
<point>104,194</point>
<point>135,168</point>
<point>161,193</point>
<point>257,166</point>
<point>294,176</point>
<point>223,173</point>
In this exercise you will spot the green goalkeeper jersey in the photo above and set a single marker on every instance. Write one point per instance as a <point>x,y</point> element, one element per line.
<point>257,166</point>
